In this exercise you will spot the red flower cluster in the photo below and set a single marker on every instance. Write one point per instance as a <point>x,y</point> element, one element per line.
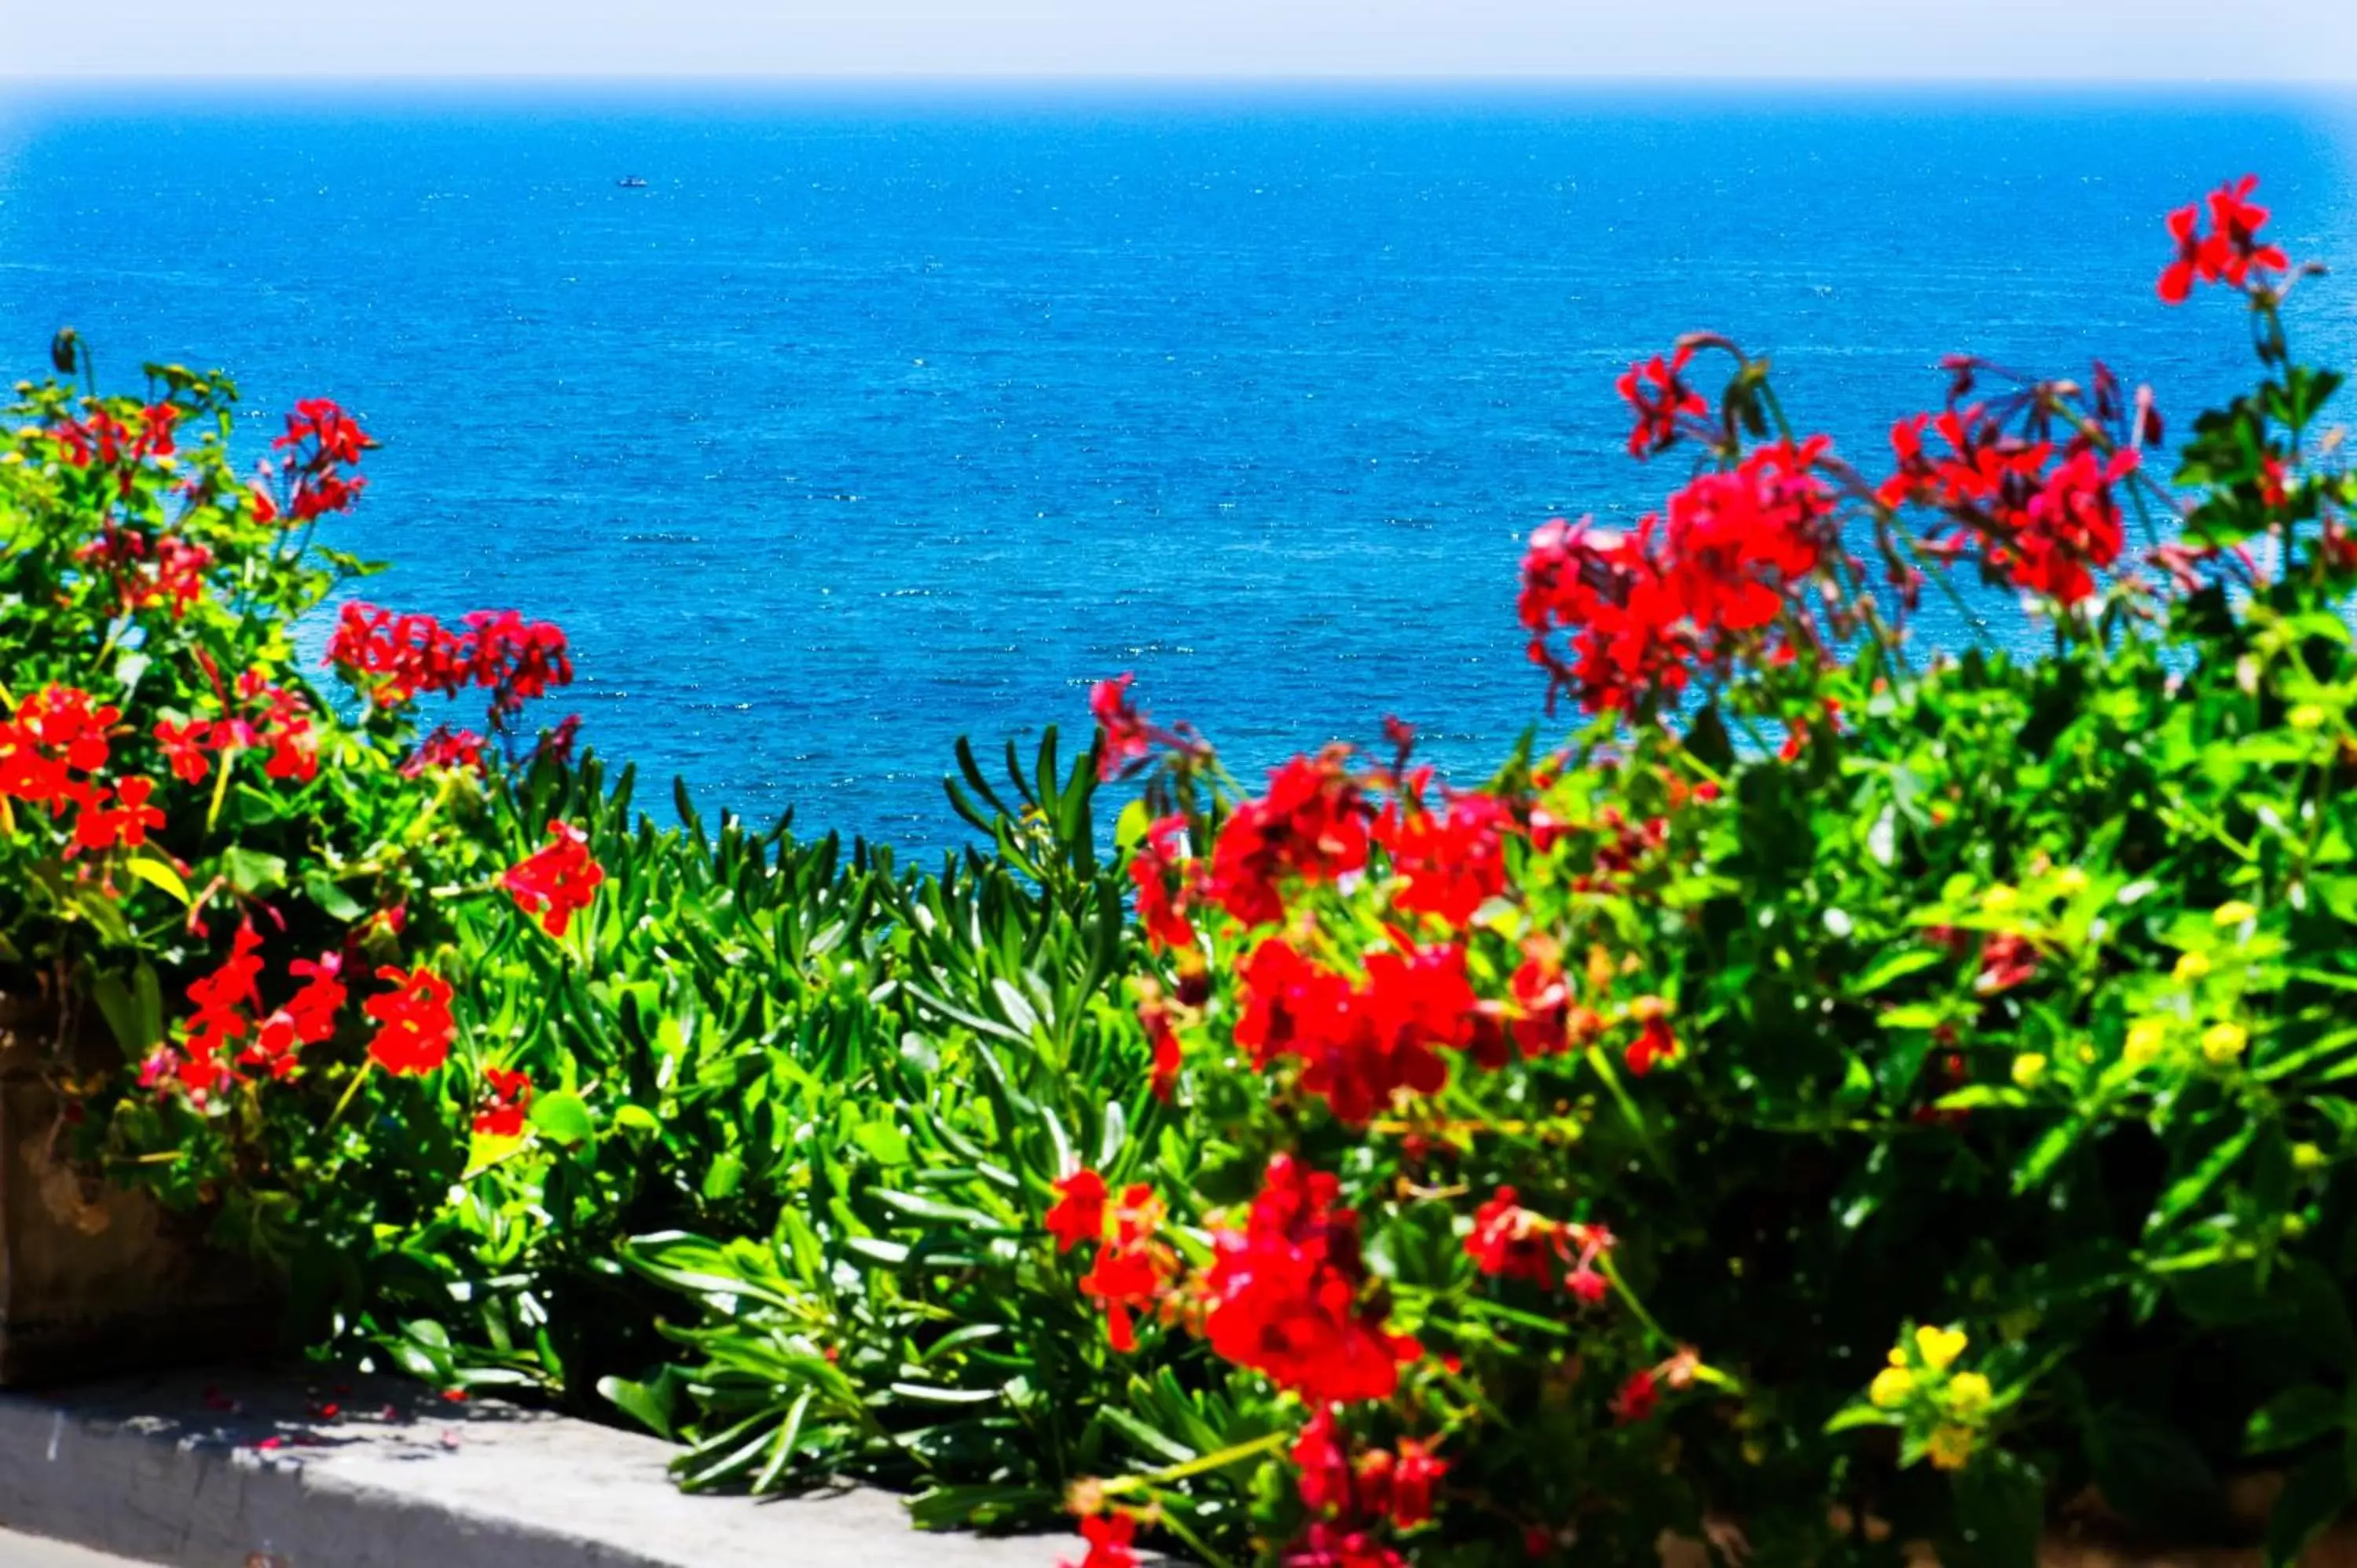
<point>1166,885</point>
<point>1162,1033</point>
<point>321,441</point>
<point>100,825</point>
<point>58,732</point>
<point>391,660</point>
<point>557,880</point>
<point>557,742</point>
<point>2007,961</point>
<point>1325,1545</point>
<point>507,1099</point>
<point>105,442</point>
<point>1128,737</point>
<point>1108,1536</point>
<point>2229,251</point>
<point>174,577</point>
<point>413,1023</point>
<point>1659,393</point>
<point>1641,1395</point>
<point>1359,1045</point>
<point>1358,1490</point>
<point>1648,610</point>
<point>1132,1270</point>
<point>1449,863</point>
<point>1511,1242</point>
<point>1284,1295</point>
<point>263,716</point>
<point>228,1009</point>
<point>1544,1020</point>
<point>516,660</point>
<point>2042,528</point>
<point>446,748</point>
<point>1311,825</point>
<point>1078,1214</point>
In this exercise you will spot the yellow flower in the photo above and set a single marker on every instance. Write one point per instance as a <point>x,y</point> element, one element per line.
<point>2191,967</point>
<point>2306,1157</point>
<point>1891,1388</point>
<point>2146,1036</point>
<point>1968,1395</point>
<point>2028,1068</point>
<point>1951,1447</point>
<point>1898,1356</point>
<point>2000,899</point>
<point>2307,715</point>
<point>2233,912</point>
<point>2221,1043</point>
<point>1939,1346</point>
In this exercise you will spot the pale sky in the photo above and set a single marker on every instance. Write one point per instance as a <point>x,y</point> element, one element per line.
<point>2113,40</point>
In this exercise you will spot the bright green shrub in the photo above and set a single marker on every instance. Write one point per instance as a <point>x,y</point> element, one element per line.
<point>1854,1094</point>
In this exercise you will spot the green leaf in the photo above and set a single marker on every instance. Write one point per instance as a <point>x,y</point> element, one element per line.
<point>563,1117</point>
<point>2311,1499</point>
<point>940,1213</point>
<point>2047,1153</point>
<point>330,899</point>
<point>1893,967</point>
<point>649,1405</point>
<point>2188,1190</point>
<point>158,873</point>
<point>1856,1414</point>
<point>114,1004</point>
<point>1129,829</point>
<point>723,1176</point>
<point>2293,1419</point>
<point>252,872</point>
<point>930,1394</point>
<point>2001,1511</point>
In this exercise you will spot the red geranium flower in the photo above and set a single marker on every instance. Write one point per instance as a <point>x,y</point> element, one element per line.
<point>1312,825</point>
<point>1166,886</point>
<point>1415,1472</point>
<point>413,1023</point>
<point>2007,961</point>
<point>1284,1295</point>
<point>1133,1269</point>
<point>1108,1535</point>
<point>1078,1214</point>
<point>1448,863</point>
<point>1659,395</point>
<point>556,881</point>
<point>1325,1545</point>
<point>2227,254</point>
<point>446,748</point>
<point>1510,1242</point>
<point>1637,1398</point>
<point>1654,1043</point>
<point>507,1098</point>
<point>1128,737</point>
<point>1168,1056</point>
<point>1358,1046</point>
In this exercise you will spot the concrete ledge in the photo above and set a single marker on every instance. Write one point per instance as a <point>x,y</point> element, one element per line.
<point>196,1471</point>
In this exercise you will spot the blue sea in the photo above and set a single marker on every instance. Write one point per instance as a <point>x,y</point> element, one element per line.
<point>878,417</point>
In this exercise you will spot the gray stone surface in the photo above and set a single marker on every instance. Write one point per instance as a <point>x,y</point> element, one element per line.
<point>38,1552</point>
<point>205,1472</point>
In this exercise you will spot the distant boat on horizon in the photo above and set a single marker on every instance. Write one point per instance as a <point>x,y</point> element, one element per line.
<point>631,182</point>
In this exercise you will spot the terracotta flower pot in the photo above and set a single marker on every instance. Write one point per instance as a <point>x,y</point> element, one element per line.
<point>94,1279</point>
